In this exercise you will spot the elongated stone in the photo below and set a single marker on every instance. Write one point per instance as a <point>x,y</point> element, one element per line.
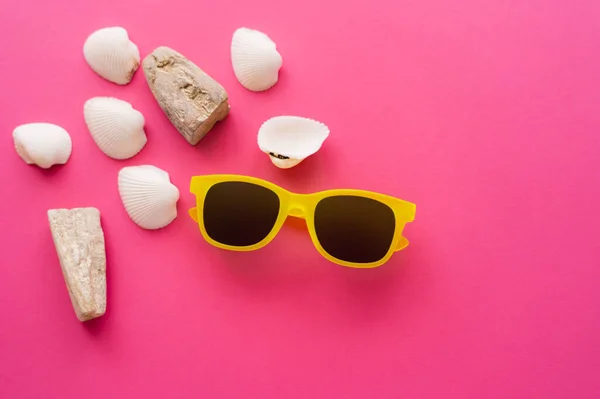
<point>192,100</point>
<point>79,242</point>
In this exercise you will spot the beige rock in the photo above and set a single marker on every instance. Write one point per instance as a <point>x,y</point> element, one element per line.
<point>192,100</point>
<point>79,242</point>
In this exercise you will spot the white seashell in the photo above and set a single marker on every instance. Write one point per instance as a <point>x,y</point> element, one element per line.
<point>255,59</point>
<point>111,54</point>
<point>116,127</point>
<point>148,195</point>
<point>43,144</point>
<point>290,139</point>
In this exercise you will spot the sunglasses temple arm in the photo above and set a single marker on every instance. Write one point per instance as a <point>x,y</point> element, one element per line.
<point>194,214</point>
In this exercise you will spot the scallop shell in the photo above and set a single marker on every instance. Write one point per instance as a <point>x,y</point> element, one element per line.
<point>116,127</point>
<point>288,140</point>
<point>148,195</point>
<point>111,54</point>
<point>255,59</point>
<point>43,144</point>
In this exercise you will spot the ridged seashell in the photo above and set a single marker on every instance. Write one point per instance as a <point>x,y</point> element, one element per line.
<point>290,139</point>
<point>148,195</point>
<point>255,59</point>
<point>42,144</point>
<point>111,54</point>
<point>116,127</point>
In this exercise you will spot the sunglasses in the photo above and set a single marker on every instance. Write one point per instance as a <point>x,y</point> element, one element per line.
<point>353,228</point>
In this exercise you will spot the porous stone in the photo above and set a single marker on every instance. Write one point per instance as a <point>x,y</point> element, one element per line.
<point>79,242</point>
<point>191,99</point>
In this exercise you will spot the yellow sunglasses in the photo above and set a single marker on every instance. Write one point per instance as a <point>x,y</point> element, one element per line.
<point>353,228</point>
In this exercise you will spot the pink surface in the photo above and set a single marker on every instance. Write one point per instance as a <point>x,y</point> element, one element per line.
<point>485,114</point>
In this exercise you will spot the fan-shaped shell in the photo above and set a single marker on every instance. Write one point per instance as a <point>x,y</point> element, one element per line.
<point>148,195</point>
<point>42,144</point>
<point>255,59</point>
<point>290,139</point>
<point>111,54</point>
<point>116,127</point>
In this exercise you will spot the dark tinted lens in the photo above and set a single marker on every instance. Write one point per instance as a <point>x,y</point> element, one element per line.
<point>239,214</point>
<point>354,229</point>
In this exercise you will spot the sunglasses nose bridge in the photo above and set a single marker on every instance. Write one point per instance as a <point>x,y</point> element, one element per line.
<point>297,212</point>
<point>296,208</point>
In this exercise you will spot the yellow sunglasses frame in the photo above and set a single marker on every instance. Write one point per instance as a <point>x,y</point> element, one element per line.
<point>302,206</point>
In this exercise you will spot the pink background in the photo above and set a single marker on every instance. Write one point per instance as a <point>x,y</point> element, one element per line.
<point>486,114</point>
